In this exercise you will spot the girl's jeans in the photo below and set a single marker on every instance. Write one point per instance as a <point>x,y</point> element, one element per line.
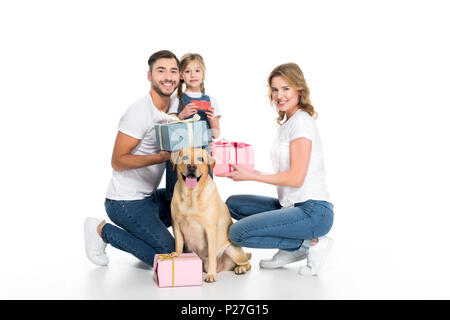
<point>263,223</point>
<point>143,226</point>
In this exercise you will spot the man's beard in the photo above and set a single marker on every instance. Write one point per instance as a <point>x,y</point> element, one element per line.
<point>159,92</point>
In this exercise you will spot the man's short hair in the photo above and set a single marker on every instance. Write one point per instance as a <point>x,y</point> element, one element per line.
<point>160,55</point>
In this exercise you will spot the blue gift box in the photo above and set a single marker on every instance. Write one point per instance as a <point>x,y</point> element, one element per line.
<point>178,135</point>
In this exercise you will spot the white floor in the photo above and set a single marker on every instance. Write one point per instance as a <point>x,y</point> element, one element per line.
<point>353,271</point>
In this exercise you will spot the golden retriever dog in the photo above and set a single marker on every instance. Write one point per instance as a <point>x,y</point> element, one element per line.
<point>200,219</point>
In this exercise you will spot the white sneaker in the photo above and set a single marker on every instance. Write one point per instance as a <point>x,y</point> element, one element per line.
<point>283,257</point>
<point>316,257</point>
<point>93,243</point>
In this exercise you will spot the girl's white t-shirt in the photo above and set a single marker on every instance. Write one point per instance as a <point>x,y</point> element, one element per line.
<point>300,125</point>
<point>173,105</point>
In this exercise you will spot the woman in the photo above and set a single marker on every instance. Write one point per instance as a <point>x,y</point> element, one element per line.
<point>296,223</point>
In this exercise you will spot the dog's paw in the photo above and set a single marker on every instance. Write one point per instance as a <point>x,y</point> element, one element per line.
<point>241,269</point>
<point>211,278</point>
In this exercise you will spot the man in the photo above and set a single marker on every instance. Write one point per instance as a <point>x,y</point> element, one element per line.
<point>133,201</point>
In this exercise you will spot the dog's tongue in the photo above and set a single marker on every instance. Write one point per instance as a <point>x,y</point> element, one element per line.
<point>191,182</point>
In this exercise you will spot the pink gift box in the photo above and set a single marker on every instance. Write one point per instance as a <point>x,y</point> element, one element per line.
<point>238,153</point>
<point>184,270</point>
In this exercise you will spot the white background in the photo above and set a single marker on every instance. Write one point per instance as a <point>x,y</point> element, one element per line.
<point>378,73</point>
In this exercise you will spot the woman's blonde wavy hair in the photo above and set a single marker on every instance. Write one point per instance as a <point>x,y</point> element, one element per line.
<point>185,60</point>
<point>292,73</point>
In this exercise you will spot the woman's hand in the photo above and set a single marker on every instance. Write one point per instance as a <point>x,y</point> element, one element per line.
<point>239,174</point>
<point>187,111</point>
<point>299,154</point>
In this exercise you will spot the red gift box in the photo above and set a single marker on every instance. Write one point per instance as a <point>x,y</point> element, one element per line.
<point>201,105</point>
<point>226,153</point>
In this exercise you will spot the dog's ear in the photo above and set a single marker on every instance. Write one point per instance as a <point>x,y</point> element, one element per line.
<point>175,158</point>
<point>210,161</point>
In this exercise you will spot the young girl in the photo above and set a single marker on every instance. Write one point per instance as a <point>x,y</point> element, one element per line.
<point>183,105</point>
<point>296,223</point>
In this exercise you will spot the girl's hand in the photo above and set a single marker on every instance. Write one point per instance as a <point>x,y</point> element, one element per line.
<point>239,174</point>
<point>213,122</point>
<point>187,111</point>
<point>210,114</point>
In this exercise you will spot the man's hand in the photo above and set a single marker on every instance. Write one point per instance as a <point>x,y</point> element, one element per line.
<point>164,155</point>
<point>122,158</point>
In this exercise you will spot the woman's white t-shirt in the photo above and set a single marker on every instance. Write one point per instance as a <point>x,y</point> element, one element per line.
<point>300,125</point>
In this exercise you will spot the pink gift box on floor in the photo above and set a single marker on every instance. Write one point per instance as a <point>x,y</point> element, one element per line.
<point>225,152</point>
<point>184,270</point>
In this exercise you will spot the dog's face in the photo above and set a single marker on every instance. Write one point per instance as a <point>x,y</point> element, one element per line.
<point>192,165</point>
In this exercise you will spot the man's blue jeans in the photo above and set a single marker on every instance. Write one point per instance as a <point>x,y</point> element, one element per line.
<point>143,226</point>
<point>264,224</point>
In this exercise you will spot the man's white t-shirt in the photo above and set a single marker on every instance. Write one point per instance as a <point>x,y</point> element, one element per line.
<point>174,101</point>
<point>139,122</point>
<point>300,125</point>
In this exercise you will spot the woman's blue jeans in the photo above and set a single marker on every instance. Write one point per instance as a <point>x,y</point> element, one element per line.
<point>143,226</point>
<point>263,223</point>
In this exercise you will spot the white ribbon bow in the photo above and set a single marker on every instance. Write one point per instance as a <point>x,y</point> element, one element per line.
<point>174,119</point>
